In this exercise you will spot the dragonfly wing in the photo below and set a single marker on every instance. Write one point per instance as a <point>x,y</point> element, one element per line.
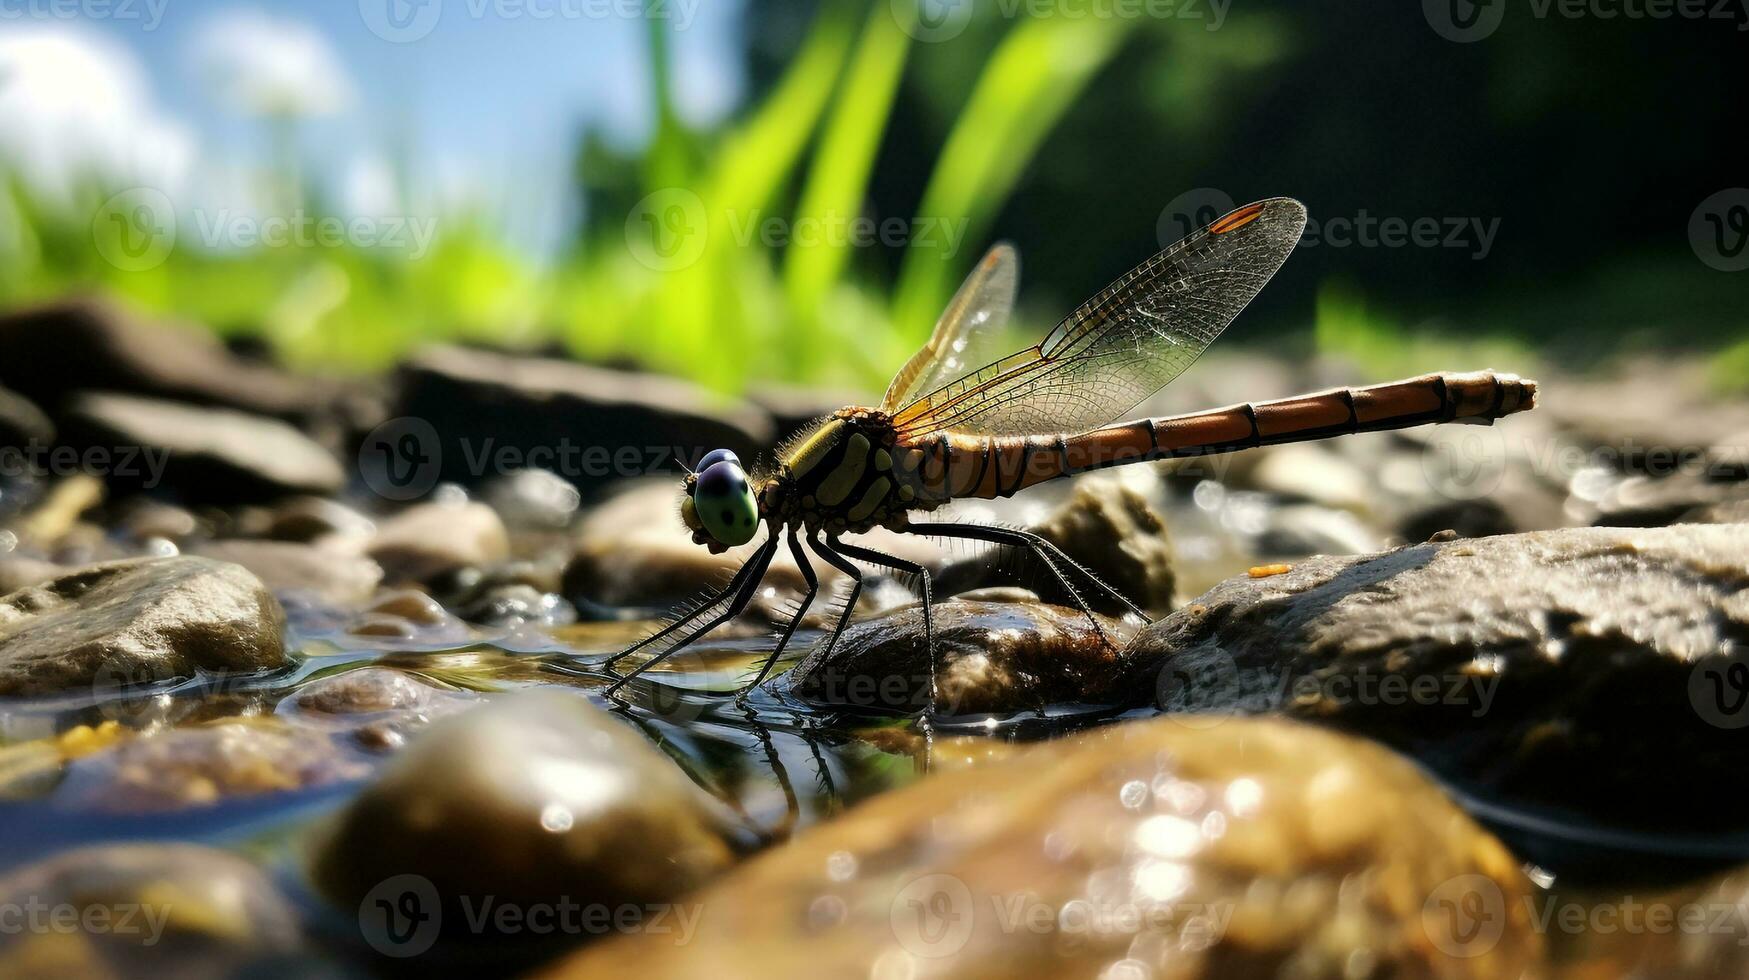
<point>980,307</point>
<point>1125,343</point>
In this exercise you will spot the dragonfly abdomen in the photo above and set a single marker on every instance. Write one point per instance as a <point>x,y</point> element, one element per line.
<point>999,466</point>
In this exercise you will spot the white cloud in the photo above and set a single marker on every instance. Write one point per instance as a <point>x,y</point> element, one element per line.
<point>264,65</point>
<point>74,104</point>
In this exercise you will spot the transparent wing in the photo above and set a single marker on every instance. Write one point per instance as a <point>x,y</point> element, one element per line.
<point>1125,343</point>
<point>979,310</point>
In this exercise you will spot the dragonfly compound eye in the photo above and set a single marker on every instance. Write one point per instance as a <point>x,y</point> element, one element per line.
<point>724,502</point>
<point>716,456</point>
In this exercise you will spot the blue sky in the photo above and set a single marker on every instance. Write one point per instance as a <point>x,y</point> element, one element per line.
<point>489,95</point>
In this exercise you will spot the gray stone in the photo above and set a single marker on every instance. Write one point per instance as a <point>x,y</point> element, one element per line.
<point>1166,848</point>
<point>989,657</point>
<point>289,568</point>
<point>208,455</point>
<point>431,539</point>
<point>1552,668</point>
<point>129,622</point>
<point>530,799</point>
<point>180,910</point>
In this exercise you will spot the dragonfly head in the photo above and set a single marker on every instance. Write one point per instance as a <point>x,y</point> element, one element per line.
<point>719,507</point>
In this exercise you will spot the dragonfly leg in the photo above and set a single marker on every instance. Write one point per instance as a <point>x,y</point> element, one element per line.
<point>837,561</point>
<point>754,570</point>
<point>795,549</point>
<point>1044,551</point>
<point>690,615</point>
<point>893,561</point>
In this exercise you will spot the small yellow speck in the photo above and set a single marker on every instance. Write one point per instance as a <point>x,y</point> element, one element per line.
<point>1265,571</point>
<point>906,493</point>
<point>883,460</point>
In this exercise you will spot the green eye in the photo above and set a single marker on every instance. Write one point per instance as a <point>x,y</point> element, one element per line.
<point>725,505</point>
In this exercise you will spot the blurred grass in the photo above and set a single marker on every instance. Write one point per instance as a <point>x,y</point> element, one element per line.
<point>820,311</point>
<point>746,309</point>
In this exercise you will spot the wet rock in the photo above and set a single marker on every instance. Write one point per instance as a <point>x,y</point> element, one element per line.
<point>1648,420</point>
<point>1696,932</point>
<point>379,707</point>
<point>431,539</point>
<point>1312,473</point>
<point>1313,529</point>
<point>311,519</point>
<point>145,910</point>
<point>1641,501</point>
<point>515,604</point>
<point>532,498</point>
<point>1551,668</point>
<point>144,519</point>
<point>1734,512</point>
<point>1251,848</point>
<point>22,423</point>
<point>495,412</point>
<point>989,657</point>
<point>208,455</point>
<point>50,351</point>
<point>139,621</point>
<point>289,568</point>
<point>1106,526</point>
<point>206,764</point>
<point>531,799</point>
<point>19,571</point>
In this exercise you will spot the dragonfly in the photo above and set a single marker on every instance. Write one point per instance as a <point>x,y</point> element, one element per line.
<point>952,426</point>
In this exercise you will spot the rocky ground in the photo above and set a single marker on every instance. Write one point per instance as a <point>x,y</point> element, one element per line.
<point>305,675</point>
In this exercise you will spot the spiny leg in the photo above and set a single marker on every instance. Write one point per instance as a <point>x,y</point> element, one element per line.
<point>756,566</point>
<point>838,562</point>
<point>688,616</point>
<point>1005,536</point>
<point>893,561</point>
<point>1040,546</point>
<point>795,549</point>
